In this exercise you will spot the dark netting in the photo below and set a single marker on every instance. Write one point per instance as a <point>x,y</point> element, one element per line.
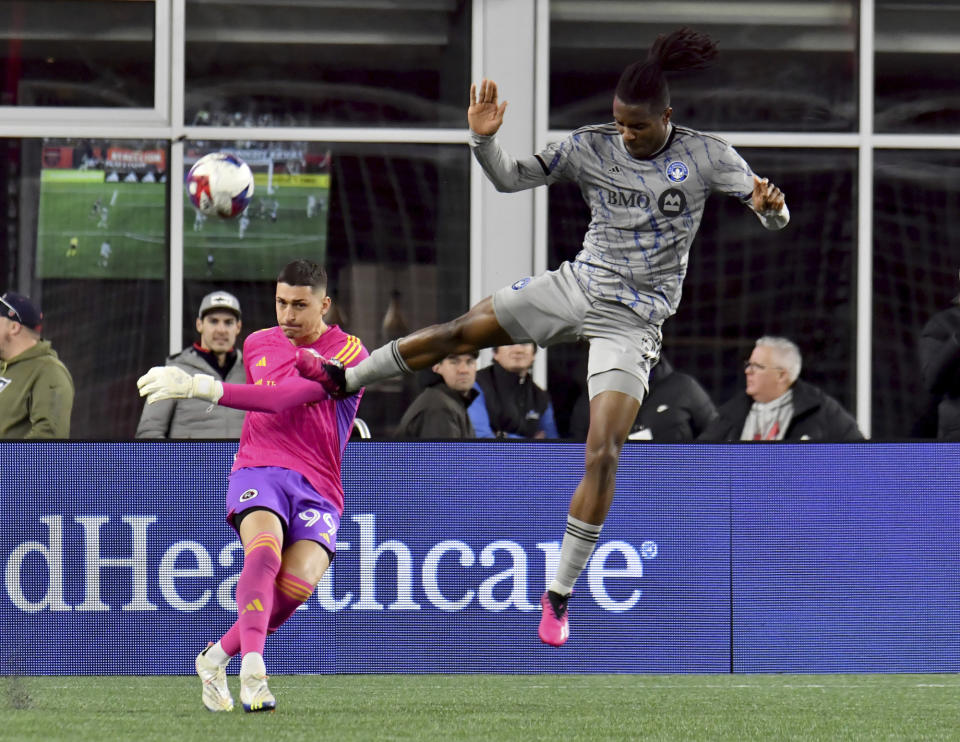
<point>916,243</point>
<point>744,281</point>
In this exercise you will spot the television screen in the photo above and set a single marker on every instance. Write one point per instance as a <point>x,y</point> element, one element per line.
<point>102,212</point>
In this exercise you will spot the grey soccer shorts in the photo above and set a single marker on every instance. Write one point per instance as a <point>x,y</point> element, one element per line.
<point>553,308</point>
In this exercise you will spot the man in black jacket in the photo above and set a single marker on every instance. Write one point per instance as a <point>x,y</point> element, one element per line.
<point>515,406</point>
<point>940,367</point>
<point>778,406</point>
<point>441,409</point>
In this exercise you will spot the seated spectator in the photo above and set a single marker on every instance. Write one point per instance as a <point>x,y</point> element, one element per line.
<point>512,405</point>
<point>777,405</point>
<point>218,324</point>
<point>441,409</point>
<point>36,389</point>
<point>677,408</point>
<point>940,369</point>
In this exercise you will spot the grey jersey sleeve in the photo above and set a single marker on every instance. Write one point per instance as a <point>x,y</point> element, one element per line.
<point>507,173</point>
<point>733,176</point>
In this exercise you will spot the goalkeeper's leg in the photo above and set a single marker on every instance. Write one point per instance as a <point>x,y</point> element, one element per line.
<point>304,563</point>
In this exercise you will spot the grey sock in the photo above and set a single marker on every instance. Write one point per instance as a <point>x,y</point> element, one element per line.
<point>384,363</point>
<point>578,544</point>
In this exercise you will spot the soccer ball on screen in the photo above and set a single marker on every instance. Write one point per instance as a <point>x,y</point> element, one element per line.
<point>220,184</point>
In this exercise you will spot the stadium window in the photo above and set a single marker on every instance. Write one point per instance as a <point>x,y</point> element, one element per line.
<point>86,238</point>
<point>389,221</point>
<point>743,282</point>
<point>916,58</point>
<point>915,262</point>
<point>92,54</point>
<point>781,67</point>
<point>316,64</point>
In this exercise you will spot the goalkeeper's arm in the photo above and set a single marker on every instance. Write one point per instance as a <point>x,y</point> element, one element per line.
<point>170,382</point>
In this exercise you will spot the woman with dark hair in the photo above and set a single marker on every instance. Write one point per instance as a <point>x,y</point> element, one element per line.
<point>646,181</point>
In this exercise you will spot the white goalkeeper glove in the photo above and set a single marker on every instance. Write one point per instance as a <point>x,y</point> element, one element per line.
<point>170,382</point>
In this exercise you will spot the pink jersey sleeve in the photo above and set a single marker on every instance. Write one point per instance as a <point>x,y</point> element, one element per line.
<point>285,394</point>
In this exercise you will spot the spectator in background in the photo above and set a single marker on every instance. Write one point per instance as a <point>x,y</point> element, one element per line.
<point>676,409</point>
<point>777,405</point>
<point>36,389</point>
<point>510,404</point>
<point>219,325</point>
<point>940,368</point>
<point>441,409</point>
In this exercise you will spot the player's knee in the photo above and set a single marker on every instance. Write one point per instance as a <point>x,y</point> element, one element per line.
<point>602,457</point>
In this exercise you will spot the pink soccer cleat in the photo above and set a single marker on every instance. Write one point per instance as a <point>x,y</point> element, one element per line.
<point>554,619</point>
<point>328,373</point>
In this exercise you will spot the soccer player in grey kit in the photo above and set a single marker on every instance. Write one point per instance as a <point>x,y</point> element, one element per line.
<point>646,181</point>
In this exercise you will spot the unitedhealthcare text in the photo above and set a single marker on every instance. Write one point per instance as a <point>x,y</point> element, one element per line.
<point>451,575</point>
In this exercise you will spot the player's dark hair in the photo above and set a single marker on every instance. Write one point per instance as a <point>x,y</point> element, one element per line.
<point>303,272</point>
<point>682,50</point>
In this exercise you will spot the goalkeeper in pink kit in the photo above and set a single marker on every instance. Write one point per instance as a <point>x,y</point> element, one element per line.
<point>285,495</point>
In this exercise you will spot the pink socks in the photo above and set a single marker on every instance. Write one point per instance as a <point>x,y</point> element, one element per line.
<point>255,589</point>
<point>287,595</point>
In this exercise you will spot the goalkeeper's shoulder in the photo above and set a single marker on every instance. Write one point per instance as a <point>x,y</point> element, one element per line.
<point>258,339</point>
<point>343,347</point>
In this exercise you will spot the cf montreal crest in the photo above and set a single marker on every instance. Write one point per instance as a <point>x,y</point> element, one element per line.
<point>677,171</point>
<point>521,283</point>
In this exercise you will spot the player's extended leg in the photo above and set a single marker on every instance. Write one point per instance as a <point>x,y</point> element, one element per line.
<point>302,566</point>
<point>261,534</point>
<point>611,417</point>
<point>474,330</point>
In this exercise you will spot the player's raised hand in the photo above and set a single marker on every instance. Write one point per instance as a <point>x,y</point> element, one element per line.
<point>766,196</point>
<point>170,382</point>
<point>485,114</point>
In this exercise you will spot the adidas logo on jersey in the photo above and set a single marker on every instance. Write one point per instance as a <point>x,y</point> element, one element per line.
<point>615,170</point>
<point>262,361</point>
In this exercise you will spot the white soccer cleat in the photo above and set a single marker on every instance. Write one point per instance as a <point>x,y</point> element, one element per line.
<point>254,693</point>
<point>216,695</point>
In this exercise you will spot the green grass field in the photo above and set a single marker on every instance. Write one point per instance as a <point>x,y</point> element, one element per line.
<point>492,707</point>
<point>277,230</point>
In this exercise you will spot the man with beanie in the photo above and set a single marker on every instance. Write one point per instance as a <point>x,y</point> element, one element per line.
<point>218,324</point>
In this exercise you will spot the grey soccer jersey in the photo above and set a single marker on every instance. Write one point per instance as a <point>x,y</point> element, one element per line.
<point>644,213</point>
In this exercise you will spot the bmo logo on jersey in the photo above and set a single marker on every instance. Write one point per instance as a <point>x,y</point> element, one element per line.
<point>630,199</point>
<point>672,202</point>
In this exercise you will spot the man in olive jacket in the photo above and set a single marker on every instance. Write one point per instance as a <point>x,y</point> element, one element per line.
<point>218,324</point>
<point>777,405</point>
<point>36,389</point>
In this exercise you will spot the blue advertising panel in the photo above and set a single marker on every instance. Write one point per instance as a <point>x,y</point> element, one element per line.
<point>847,558</point>
<point>751,558</point>
<point>116,559</point>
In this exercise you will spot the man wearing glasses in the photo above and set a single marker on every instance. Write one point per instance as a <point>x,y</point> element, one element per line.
<point>777,405</point>
<point>36,390</point>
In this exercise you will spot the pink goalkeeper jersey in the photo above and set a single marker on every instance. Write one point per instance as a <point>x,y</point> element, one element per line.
<point>307,438</point>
